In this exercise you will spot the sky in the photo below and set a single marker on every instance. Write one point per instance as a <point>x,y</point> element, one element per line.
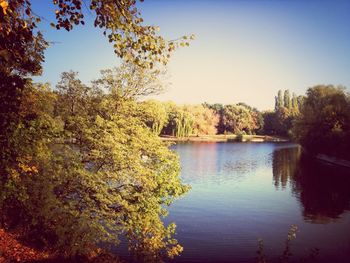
<point>244,51</point>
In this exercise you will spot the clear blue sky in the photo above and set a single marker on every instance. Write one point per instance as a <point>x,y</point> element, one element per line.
<point>244,50</point>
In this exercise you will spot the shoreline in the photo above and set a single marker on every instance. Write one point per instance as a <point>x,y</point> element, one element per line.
<point>333,160</point>
<point>224,138</point>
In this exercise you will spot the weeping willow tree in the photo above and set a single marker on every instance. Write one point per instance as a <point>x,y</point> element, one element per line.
<point>180,121</point>
<point>154,115</point>
<point>184,123</point>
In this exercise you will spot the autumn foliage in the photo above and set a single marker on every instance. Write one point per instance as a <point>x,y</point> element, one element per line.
<point>11,250</point>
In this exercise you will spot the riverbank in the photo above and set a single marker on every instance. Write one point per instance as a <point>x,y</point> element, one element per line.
<point>333,160</point>
<point>13,250</point>
<point>225,138</point>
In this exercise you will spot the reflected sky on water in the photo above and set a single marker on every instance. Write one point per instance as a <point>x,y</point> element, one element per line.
<point>245,191</point>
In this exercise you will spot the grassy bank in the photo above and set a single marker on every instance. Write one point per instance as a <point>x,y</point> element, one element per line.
<point>225,138</point>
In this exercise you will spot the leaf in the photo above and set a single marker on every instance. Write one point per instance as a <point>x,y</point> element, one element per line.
<point>4,5</point>
<point>5,54</point>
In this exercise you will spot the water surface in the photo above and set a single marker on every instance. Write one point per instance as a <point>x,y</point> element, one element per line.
<point>245,191</point>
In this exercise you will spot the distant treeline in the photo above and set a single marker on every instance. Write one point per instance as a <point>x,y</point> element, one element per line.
<point>168,118</point>
<point>320,121</point>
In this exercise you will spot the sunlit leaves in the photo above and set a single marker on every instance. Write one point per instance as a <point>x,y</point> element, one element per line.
<point>89,170</point>
<point>205,120</point>
<point>80,166</point>
<point>131,81</point>
<point>286,110</point>
<point>21,48</point>
<point>180,121</point>
<point>240,118</point>
<point>154,115</point>
<point>122,23</point>
<point>4,5</point>
<point>136,171</point>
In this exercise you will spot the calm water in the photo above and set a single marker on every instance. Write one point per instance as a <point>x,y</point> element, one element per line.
<point>245,191</point>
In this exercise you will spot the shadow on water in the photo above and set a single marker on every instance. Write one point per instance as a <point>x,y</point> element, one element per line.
<point>323,190</point>
<point>243,192</point>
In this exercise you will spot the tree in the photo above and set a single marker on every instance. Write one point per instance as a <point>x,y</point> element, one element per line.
<point>127,164</point>
<point>79,164</point>
<point>281,120</point>
<point>21,54</point>
<point>219,110</point>
<point>271,125</point>
<point>324,123</point>
<point>295,105</point>
<point>130,81</point>
<point>204,120</point>
<point>284,119</point>
<point>88,171</point>
<point>238,119</point>
<point>180,121</point>
<point>300,100</point>
<point>279,100</point>
<point>258,120</point>
<point>121,21</point>
<point>287,100</point>
<point>73,94</point>
<point>278,122</point>
<point>154,115</point>
<point>22,48</point>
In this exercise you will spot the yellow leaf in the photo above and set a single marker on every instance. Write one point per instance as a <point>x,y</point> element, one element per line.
<point>4,6</point>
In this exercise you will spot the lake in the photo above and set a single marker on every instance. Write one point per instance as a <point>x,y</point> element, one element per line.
<point>242,192</point>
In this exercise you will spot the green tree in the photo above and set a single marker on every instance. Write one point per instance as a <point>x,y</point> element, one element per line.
<point>21,54</point>
<point>279,100</point>
<point>238,119</point>
<point>287,99</point>
<point>295,105</point>
<point>271,125</point>
<point>204,119</point>
<point>281,120</point>
<point>258,119</point>
<point>88,176</point>
<point>120,20</point>
<point>22,48</point>
<point>300,100</point>
<point>278,122</point>
<point>130,81</point>
<point>324,123</point>
<point>73,94</point>
<point>285,120</point>
<point>180,122</point>
<point>219,110</point>
<point>154,115</point>
<point>79,165</point>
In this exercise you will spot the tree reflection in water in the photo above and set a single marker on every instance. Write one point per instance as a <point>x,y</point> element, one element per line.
<point>323,190</point>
